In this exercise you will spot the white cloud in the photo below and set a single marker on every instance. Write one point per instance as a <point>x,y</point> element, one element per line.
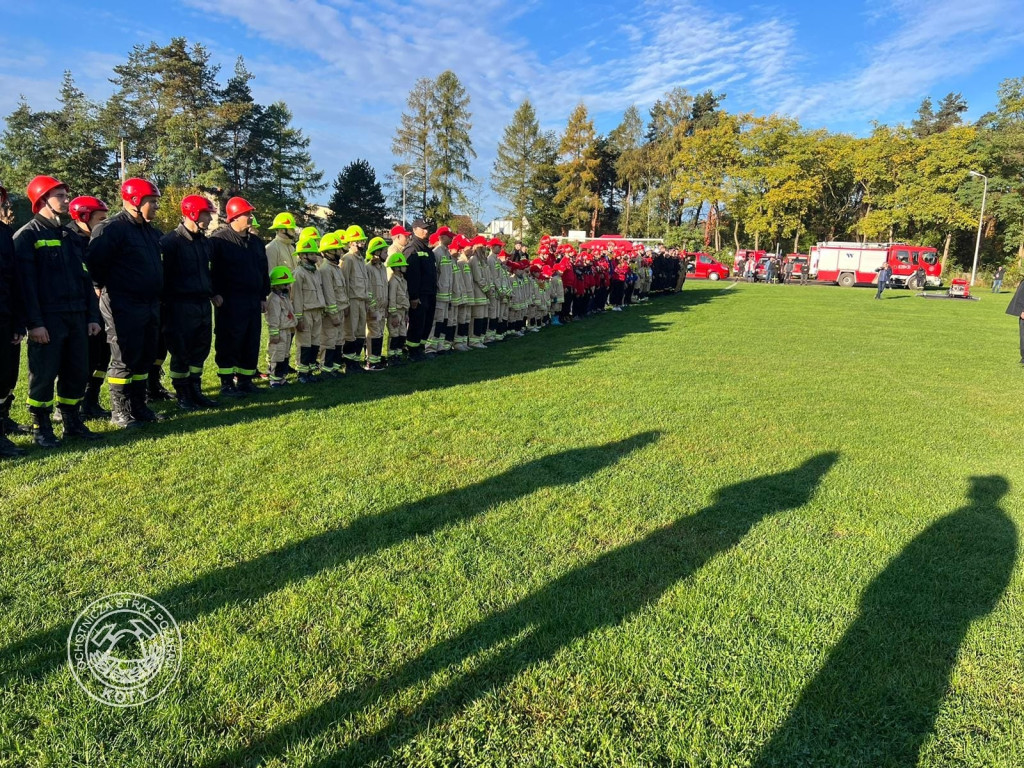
<point>925,44</point>
<point>345,67</point>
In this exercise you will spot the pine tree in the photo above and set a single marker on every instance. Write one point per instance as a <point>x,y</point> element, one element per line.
<point>452,147</point>
<point>925,120</point>
<point>358,199</point>
<point>237,136</point>
<point>577,171</point>
<point>519,164</point>
<point>948,115</point>
<point>626,140</point>
<point>290,174</point>
<point>412,142</point>
<point>75,144</point>
<point>22,151</point>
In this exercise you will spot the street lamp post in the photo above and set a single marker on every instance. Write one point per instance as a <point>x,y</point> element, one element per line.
<point>981,221</point>
<point>403,196</point>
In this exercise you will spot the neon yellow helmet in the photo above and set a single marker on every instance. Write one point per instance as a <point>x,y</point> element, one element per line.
<point>281,276</point>
<point>355,234</point>
<point>254,224</point>
<point>375,245</point>
<point>331,242</point>
<point>309,232</point>
<point>283,221</point>
<point>308,245</point>
<point>397,260</point>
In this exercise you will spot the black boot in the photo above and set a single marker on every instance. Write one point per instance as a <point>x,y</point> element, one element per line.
<point>196,383</point>
<point>8,450</point>
<point>245,386</point>
<point>155,390</point>
<point>183,389</point>
<point>42,429</point>
<point>121,408</point>
<point>91,408</point>
<point>73,424</point>
<point>10,427</point>
<point>137,401</point>
<point>228,388</point>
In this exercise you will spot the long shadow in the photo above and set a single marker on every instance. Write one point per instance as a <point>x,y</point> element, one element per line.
<point>40,653</point>
<point>602,593</point>
<point>553,348</point>
<point>876,699</point>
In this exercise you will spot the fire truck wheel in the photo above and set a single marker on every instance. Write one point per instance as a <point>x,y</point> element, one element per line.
<point>913,284</point>
<point>847,280</point>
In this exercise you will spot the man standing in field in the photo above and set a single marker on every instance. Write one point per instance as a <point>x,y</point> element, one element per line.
<point>1016,309</point>
<point>883,280</point>
<point>997,280</point>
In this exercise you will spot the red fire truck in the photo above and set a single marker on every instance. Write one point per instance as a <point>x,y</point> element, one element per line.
<point>850,264</point>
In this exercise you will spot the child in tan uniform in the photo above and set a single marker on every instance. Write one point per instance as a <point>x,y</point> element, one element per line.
<point>309,303</point>
<point>280,322</point>
<point>398,307</point>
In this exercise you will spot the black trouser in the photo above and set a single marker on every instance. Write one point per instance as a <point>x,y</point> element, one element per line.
<point>421,321</point>
<point>237,345</point>
<point>618,291</point>
<point>566,309</point>
<point>99,355</point>
<point>579,304</point>
<point>10,359</point>
<point>188,332</point>
<point>133,330</point>
<point>65,360</point>
<point>418,320</point>
<point>629,294</point>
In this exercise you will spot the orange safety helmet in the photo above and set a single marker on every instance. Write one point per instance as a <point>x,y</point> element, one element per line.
<point>193,205</point>
<point>39,189</point>
<point>83,207</point>
<point>238,206</point>
<point>133,190</point>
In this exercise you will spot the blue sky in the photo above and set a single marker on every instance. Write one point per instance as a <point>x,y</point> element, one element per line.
<point>345,67</point>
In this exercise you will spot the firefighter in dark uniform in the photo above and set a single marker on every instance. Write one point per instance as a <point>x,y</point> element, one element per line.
<point>124,261</point>
<point>11,330</point>
<point>86,214</point>
<point>421,279</point>
<point>185,316</point>
<point>60,311</point>
<point>240,286</point>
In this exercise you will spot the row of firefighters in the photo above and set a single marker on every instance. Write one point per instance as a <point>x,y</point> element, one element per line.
<point>107,297</point>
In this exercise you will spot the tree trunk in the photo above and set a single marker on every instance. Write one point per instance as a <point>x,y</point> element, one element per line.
<point>796,241</point>
<point>736,233</point>
<point>629,202</point>
<point>1020,253</point>
<point>696,216</point>
<point>757,241</point>
<point>593,223</point>
<point>890,234</point>
<point>945,253</point>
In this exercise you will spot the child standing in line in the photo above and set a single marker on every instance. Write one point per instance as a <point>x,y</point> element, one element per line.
<point>398,307</point>
<point>281,322</point>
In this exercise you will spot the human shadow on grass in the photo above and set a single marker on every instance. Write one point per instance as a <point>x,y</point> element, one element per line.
<point>875,701</point>
<point>552,348</point>
<point>253,579</point>
<point>603,593</point>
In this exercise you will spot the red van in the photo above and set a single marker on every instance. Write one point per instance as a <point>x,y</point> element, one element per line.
<point>703,267</point>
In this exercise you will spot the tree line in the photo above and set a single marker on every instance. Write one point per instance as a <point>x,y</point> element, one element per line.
<point>172,121</point>
<point>689,170</point>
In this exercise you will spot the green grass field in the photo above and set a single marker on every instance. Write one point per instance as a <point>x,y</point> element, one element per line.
<point>741,526</point>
